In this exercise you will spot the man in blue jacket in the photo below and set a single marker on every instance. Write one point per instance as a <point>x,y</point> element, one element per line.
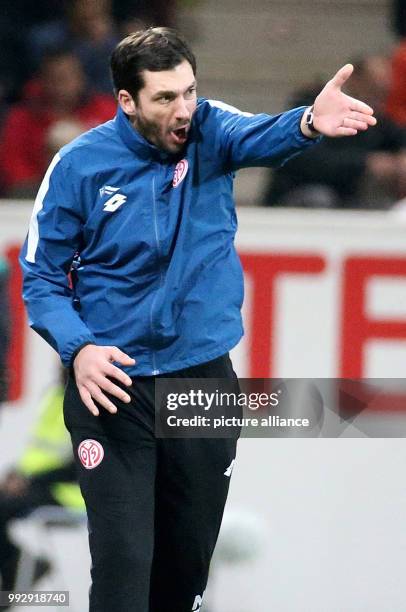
<point>143,206</point>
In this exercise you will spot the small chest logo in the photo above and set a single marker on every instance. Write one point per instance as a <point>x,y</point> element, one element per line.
<point>116,200</point>
<point>90,453</point>
<point>180,172</point>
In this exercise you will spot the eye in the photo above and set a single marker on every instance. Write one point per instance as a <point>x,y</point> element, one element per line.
<point>190,92</point>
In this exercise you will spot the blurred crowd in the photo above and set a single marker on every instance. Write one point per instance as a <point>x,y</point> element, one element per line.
<point>363,172</point>
<point>55,84</point>
<point>54,76</point>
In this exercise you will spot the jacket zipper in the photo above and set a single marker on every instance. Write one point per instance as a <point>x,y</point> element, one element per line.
<point>155,371</point>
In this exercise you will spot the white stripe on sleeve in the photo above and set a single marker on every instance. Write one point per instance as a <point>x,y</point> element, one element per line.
<point>228,107</point>
<point>33,233</point>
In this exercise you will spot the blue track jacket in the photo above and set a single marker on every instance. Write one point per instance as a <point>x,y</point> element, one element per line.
<point>158,275</point>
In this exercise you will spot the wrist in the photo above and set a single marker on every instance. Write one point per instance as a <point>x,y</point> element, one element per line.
<point>307,124</point>
<point>77,351</point>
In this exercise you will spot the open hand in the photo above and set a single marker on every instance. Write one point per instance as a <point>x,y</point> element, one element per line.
<point>335,113</point>
<point>92,365</point>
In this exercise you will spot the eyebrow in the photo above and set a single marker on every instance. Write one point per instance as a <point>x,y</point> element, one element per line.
<point>171,92</point>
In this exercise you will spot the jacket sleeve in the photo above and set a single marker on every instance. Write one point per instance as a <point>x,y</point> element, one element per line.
<point>53,238</point>
<point>248,140</point>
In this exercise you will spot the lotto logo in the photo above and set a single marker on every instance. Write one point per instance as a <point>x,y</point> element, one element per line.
<point>114,202</point>
<point>180,172</point>
<point>90,453</point>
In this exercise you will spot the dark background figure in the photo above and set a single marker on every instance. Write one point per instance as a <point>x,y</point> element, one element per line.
<point>58,93</point>
<point>89,29</point>
<point>360,172</point>
<point>13,67</point>
<point>92,28</point>
<point>17,17</point>
<point>399,17</point>
<point>150,12</point>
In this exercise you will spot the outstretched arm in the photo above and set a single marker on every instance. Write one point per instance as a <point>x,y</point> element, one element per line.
<point>243,140</point>
<point>337,114</point>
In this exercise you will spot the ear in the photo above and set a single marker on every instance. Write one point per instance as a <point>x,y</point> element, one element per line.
<point>126,102</point>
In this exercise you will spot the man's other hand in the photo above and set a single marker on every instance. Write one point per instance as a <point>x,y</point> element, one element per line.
<point>93,366</point>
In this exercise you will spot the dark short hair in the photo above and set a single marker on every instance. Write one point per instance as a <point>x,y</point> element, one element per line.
<point>154,49</point>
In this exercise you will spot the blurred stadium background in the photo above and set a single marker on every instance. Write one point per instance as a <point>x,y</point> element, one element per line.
<point>312,525</point>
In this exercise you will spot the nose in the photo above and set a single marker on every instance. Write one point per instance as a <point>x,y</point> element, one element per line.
<point>182,111</point>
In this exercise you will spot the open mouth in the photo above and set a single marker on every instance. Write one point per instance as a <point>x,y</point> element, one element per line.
<point>180,135</point>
